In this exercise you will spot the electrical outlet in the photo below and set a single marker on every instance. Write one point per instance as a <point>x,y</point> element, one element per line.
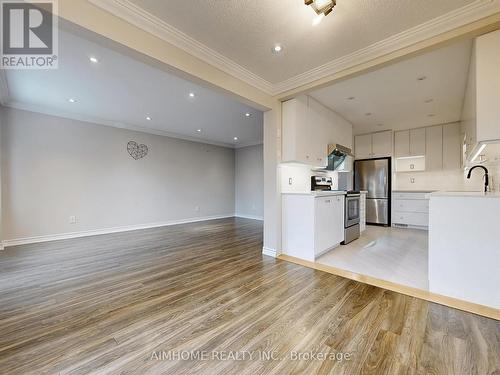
<point>290,181</point>
<point>197,208</point>
<point>72,219</point>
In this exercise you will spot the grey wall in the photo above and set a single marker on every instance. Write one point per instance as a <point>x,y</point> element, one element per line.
<point>249,182</point>
<point>1,169</point>
<point>54,168</point>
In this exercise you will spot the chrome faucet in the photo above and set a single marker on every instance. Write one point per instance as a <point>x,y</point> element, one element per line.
<point>486,178</point>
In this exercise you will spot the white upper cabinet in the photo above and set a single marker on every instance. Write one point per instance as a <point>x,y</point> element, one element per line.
<point>409,143</point>
<point>363,146</point>
<point>481,111</point>
<point>382,144</point>
<point>374,145</point>
<point>434,146</point>
<point>431,148</point>
<point>402,143</point>
<point>307,129</point>
<point>417,142</point>
<point>488,87</point>
<point>452,156</point>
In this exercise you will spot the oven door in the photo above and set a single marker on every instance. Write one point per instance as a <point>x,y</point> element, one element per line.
<point>352,210</point>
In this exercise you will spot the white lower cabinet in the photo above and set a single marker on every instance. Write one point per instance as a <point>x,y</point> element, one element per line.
<point>410,210</point>
<point>312,225</point>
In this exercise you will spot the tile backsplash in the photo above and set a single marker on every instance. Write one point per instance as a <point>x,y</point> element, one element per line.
<point>452,180</point>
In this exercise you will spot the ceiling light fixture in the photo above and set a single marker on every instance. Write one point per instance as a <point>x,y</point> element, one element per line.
<point>248,114</point>
<point>235,138</point>
<point>72,100</point>
<point>277,48</point>
<point>93,60</point>
<point>431,115</point>
<point>199,130</point>
<point>368,114</point>
<point>429,101</point>
<point>148,118</point>
<point>351,98</point>
<point>191,95</point>
<point>422,78</point>
<point>322,8</point>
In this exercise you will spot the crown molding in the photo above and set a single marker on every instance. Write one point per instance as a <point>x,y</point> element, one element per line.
<point>442,24</point>
<point>140,18</point>
<point>4,88</point>
<point>148,22</point>
<point>114,124</point>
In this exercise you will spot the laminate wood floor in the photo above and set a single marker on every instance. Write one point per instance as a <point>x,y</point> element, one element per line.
<point>200,298</point>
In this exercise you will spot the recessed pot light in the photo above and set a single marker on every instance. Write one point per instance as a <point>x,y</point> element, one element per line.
<point>421,78</point>
<point>248,114</point>
<point>148,118</point>
<point>71,100</point>
<point>380,124</point>
<point>368,114</point>
<point>277,48</point>
<point>199,130</point>
<point>235,138</point>
<point>191,95</point>
<point>431,115</point>
<point>351,98</point>
<point>93,60</point>
<point>429,101</point>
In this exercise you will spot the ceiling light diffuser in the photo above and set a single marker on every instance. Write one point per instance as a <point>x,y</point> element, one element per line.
<point>248,114</point>
<point>93,60</point>
<point>199,130</point>
<point>191,95</point>
<point>72,100</point>
<point>148,118</point>
<point>235,138</point>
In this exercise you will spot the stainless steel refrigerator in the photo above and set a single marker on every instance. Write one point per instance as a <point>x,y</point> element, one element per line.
<point>374,176</point>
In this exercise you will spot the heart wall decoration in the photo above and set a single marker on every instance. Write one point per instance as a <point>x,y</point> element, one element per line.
<point>136,150</point>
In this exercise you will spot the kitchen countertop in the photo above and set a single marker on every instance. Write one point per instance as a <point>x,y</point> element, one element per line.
<point>316,193</point>
<point>414,191</point>
<point>466,194</point>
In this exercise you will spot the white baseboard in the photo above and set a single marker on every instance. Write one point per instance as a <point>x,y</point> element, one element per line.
<point>269,252</point>
<point>251,217</point>
<point>95,232</point>
<point>1,246</point>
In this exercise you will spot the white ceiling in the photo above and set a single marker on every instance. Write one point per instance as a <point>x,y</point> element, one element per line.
<point>245,30</point>
<point>396,98</point>
<point>121,91</point>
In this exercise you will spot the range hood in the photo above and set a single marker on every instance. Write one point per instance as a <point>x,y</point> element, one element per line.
<point>340,158</point>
